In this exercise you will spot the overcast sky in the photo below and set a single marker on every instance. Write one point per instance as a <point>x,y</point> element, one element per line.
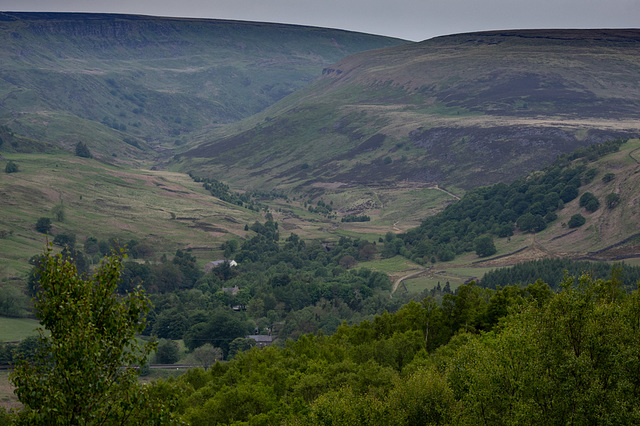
<point>408,19</point>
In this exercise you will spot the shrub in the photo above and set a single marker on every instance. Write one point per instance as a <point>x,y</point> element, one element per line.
<point>43,225</point>
<point>589,202</point>
<point>168,352</point>
<point>11,167</point>
<point>612,200</point>
<point>608,177</point>
<point>82,150</point>
<point>576,221</point>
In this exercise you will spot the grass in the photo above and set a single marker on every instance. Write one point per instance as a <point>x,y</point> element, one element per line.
<point>167,210</point>
<point>16,329</point>
<point>396,265</point>
<point>8,399</point>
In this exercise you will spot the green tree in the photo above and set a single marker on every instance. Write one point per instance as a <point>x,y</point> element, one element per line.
<point>576,221</point>
<point>612,200</point>
<point>484,246</point>
<point>206,355</point>
<point>571,360</point>
<point>84,373</point>
<point>589,202</point>
<point>531,223</point>
<point>58,212</point>
<point>608,177</point>
<point>43,225</point>
<point>82,150</point>
<point>11,167</point>
<point>167,352</point>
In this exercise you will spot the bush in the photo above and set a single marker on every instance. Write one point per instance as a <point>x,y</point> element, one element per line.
<point>167,352</point>
<point>576,221</point>
<point>11,167</point>
<point>82,150</point>
<point>589,202</point>
<point>608,177</point>
<point>65,240</point>
<point>43,225</point>
<point>484,246</point>
<point>613,200</point>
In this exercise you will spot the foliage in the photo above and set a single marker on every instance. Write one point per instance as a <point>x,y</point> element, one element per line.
<point>82,150</point>
<point>58,212</point>
<point>13,302</point>
<point>529,202</point>
<point>84,372</point>
<point>167,352</point>
<point>571,360</point>
<point>569,356</point>
<point>207,355</point>
<point>551,271</point>
<point>43,225</point>
<point>65,240</point>
<point>576,221</point>
<point>250,200</point>
<point>612,200</point>
<point>11,167</point>
<point>589,202</point>
<point>355,218</point>
<point>484,246</point>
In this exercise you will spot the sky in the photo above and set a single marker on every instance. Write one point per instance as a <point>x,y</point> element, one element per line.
<point>414,20</point>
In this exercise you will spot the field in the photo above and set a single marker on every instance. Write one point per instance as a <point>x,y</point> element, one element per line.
<point>168,211</point>
<point>15,329</point>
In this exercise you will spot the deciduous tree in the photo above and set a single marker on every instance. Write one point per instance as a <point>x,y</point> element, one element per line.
<point>84,372</point>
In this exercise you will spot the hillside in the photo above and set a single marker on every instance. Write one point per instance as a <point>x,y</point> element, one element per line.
<point>134,82</point>
<point>457,111</point>
<point>164,211</point>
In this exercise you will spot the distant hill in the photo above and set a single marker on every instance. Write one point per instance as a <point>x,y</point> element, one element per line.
<point>460,111</point>
<point>125,84</point>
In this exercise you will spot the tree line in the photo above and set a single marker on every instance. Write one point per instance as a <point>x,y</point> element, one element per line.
<point>506,356</point>
<point>530,203</point>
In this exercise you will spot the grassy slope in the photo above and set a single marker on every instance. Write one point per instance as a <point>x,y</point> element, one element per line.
<point>106,201</point>
<point>603,229</point>
<point>461,111</point>
<point>153,79</point>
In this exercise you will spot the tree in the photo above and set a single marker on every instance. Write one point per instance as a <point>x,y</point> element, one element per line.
<point>168,352</point>
<point>484,246</point>
<point>576,221</point>
<point>240,344</point>
<point>68,240</point>
<point>207,355</point>
<point>570,360</point>
<point>348,262</point>
<point>531,223</point>
<point>58,212</point>
<point>84,372</point>
<point>82,150</point>
<point>11,167</point>
<point>589,202</point>
<point>43,225</point>
<point>612,200</point>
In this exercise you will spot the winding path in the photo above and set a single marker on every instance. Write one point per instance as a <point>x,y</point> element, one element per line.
<point>397,282</point>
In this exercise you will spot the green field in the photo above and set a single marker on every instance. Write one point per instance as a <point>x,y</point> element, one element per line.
<point>16,329</point>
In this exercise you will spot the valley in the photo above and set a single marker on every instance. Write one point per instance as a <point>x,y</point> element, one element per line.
<point>363,186</point>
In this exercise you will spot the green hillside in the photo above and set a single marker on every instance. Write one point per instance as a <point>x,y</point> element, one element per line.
<point>458,111</point>
<point>164,211</point>
<point>144,80</point>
